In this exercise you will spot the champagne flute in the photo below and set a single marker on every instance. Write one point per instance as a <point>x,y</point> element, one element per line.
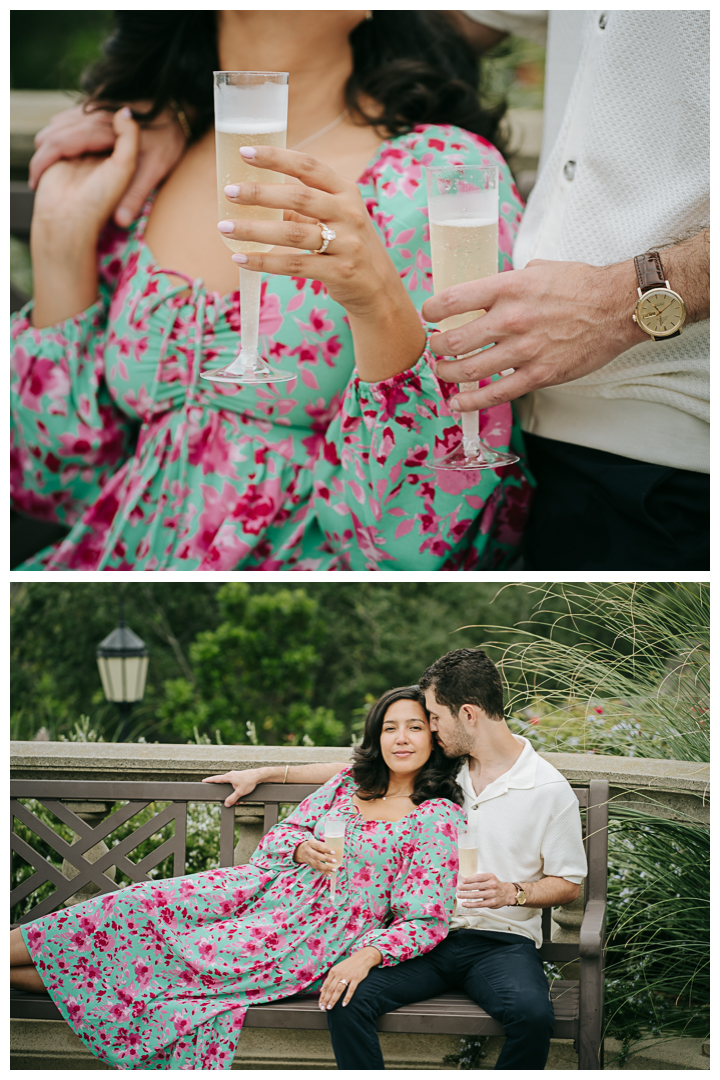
<point>463,214</point>
<point>335,839</point>
<point>250,110</point>
<point>468,856</point>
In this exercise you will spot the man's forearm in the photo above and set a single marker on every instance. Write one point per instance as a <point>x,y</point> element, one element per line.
<point>553,322</point>
<point>687,268</point>
<point>317,772</point>
<point>549,891</point>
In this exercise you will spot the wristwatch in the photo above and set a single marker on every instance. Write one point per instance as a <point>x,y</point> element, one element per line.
<point>520,896</point>
<point>660,312</point>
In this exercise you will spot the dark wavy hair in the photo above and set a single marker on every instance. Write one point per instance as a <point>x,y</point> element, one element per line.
<point>415,64</point>
<point>466,676</point>
<point>436,779</point>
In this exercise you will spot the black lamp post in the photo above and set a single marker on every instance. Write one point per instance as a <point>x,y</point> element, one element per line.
<point>122,658</point>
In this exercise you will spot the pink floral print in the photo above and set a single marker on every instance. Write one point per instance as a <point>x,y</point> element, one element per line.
<point>159,975</point>
<point>115,434</point>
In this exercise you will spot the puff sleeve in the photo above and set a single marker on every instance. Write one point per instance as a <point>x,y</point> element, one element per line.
<point>422,895</point>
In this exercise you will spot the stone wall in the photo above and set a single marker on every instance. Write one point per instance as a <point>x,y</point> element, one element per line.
<point>676,789</point>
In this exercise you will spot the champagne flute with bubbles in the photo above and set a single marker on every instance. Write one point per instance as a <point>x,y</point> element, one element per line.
<point>250,110</point>
<point>468,858</point>
<point>335,839</point>
<point>463,214</point>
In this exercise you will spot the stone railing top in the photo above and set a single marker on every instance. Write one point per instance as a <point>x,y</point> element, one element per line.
<point>166,761</point>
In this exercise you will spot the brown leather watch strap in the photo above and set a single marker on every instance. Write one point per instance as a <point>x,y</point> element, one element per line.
<point>650,273</point>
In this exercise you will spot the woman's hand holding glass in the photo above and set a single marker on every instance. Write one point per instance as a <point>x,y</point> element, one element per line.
<point>356,267</point>
<point>317,855</point>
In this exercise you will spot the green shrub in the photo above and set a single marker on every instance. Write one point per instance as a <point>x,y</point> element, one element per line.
<point>658,958</point>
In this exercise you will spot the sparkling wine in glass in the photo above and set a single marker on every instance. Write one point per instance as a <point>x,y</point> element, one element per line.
<point>463,214</point>
<point>335,839</point>
<point>468,855</point>
<point>250,110</point>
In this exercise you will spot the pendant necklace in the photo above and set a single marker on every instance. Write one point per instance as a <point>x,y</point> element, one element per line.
<point>311,138</point>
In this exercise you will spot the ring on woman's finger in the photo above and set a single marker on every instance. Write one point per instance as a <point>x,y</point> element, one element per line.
<point>344,982</point>
<point>327,235</point>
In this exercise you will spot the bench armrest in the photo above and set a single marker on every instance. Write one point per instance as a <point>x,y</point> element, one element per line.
<point>592,928</point>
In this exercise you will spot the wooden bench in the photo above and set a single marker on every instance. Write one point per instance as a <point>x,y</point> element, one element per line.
<point>577,1003</point>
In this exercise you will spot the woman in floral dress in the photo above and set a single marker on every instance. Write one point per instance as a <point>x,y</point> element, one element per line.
<point>160,975</point>
<point>114,432</point>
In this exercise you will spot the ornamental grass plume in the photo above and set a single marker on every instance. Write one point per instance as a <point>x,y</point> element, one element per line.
<point>634,655</point>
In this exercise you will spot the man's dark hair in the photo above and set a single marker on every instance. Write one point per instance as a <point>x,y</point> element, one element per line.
<point>466,676</point>
<point>416,64</point>
<point>436,779</point>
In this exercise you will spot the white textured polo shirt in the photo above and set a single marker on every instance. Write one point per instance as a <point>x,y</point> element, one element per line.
<point>528,827</point>
<point>620,176</point>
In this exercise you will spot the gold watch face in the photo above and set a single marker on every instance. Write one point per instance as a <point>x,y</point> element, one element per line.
<point>660,312</point>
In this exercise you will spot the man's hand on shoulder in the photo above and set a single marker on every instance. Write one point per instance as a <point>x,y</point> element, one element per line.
<point>76,132</point>
<point>551,323</point>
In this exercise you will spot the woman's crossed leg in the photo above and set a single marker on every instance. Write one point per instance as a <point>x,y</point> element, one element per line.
<point>23,973</point>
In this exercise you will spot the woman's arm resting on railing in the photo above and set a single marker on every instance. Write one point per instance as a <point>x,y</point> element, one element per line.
<point>246,780</point>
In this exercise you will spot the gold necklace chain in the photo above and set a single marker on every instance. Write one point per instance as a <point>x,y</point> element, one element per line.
<point>323,131</point>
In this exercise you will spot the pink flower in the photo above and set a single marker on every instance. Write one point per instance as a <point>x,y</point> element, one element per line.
<point>76,1009</point>
<point>39,377</point>
<point>181,1024</point>
<point>143,972</point>
<point>35,937</point>
<point>207,949</point>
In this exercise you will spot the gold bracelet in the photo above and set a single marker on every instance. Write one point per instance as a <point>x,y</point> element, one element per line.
<point>285,776</point>
<point>182,120</point>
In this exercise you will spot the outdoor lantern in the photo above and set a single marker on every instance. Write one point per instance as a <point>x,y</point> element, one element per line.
<point>122,658</point>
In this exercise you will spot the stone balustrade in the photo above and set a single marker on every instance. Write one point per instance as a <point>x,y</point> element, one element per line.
<point>669,789</point>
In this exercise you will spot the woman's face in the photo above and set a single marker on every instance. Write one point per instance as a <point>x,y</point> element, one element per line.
<point>405,738</point>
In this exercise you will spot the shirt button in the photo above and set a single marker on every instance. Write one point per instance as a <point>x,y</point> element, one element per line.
<point>603,20</point>
<point>569,170</point>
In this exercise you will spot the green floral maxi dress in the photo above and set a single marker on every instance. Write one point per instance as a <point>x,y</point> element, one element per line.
<point>160,975</point>
<point>115,434</point>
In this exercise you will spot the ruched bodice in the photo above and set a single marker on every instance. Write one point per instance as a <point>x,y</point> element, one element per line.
<point>116,434</point>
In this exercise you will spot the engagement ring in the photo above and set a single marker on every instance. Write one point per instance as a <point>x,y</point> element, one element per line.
<point>344,981</point>
<point>327,236</point>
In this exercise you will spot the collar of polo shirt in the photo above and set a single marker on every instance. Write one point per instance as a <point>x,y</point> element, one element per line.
<point>521,775</point>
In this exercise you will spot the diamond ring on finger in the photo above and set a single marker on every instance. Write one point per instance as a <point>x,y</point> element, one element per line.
<point>327,235</point>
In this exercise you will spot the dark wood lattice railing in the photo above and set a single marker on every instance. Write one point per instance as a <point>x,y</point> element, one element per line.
<point>140,795</point>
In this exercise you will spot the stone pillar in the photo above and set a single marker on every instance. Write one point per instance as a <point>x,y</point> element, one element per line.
<point>566,922</point>
<point>93,813</point>
<point>250,818</point>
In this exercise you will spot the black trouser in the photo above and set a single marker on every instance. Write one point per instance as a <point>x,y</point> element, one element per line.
<point>503,973</point>
<point>598,511</point>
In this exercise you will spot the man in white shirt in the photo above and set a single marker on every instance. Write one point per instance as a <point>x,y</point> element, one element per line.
<point>617,423</point>
<point>530,854</point>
